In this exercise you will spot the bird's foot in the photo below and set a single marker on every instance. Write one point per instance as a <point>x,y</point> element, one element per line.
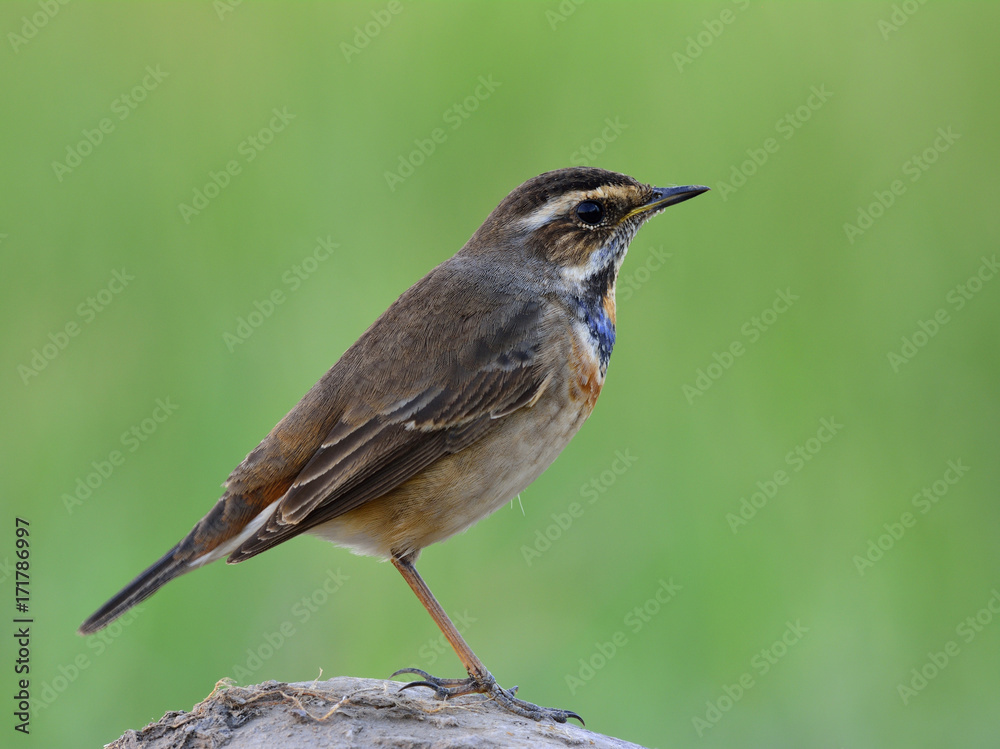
<point>447,688</point>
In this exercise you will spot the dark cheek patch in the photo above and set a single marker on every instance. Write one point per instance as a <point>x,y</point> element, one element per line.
<point>568,245</point>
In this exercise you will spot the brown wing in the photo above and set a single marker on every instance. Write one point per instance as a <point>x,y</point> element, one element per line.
<point>426,380</point>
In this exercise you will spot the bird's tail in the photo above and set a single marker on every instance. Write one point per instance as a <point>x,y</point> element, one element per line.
<point>173,564</point>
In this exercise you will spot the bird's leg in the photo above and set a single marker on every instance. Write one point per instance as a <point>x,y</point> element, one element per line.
<point>480,680</point>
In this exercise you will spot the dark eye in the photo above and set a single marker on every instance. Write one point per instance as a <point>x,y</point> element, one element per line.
<point>590,212</point>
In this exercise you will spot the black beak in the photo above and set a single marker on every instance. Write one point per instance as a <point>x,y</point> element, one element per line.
<point>664,196</point>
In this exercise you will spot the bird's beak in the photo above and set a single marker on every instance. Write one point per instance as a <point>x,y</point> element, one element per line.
<point>665,196</point>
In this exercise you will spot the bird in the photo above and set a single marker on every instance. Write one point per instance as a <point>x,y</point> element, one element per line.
<point>451,403</point>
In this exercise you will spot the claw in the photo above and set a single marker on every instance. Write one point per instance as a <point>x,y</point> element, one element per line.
<point>419,684</point>
<point>416,671</point>
<point>447,688</point>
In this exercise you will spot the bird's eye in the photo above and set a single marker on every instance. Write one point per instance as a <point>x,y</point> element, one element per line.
<point>590,212</point>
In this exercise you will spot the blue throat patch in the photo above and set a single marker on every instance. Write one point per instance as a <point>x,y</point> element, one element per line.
<point>590,302</point>
<point>591,312</point>
<point>600,327</point>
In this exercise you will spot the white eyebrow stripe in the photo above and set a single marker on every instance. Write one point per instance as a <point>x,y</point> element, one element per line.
<point>543,215</point>
<point>559,205</point>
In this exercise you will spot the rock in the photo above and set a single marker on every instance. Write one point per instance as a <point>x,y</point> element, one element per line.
<point>348,712</point>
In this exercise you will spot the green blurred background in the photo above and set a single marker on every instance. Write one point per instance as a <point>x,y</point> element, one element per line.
<point>786,626</point>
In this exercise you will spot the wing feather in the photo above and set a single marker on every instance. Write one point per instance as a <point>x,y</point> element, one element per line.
<point>381,440</point>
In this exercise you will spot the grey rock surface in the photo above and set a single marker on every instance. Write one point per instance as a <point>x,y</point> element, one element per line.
<point>348,712</point>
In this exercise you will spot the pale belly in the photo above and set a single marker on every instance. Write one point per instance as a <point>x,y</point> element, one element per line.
<point>457,491</point>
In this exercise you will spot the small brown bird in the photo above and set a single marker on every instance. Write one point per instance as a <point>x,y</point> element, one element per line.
<point>450,404</point>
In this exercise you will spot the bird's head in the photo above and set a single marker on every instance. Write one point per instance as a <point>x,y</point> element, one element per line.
<point>578,221</point>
